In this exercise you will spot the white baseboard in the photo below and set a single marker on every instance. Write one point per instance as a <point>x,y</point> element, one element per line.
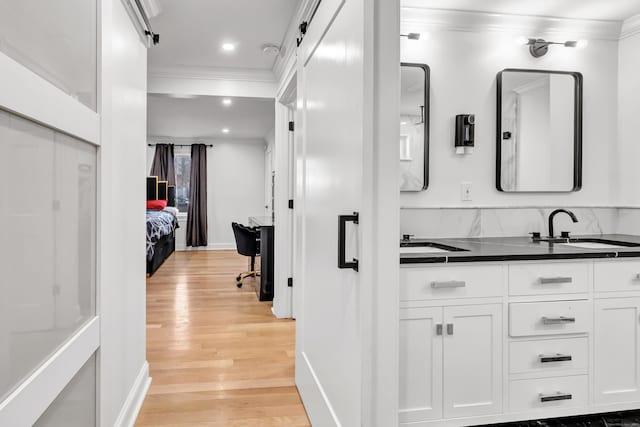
<point>211,247</point>
<point>314,398</point>
<point>133,403</point>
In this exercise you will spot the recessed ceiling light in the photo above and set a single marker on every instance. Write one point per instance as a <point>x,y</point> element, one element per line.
<point>228,47</point>
<point>227,101</point>
<point>225,130</point>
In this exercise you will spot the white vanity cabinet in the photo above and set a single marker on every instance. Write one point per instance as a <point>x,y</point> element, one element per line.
<point>617,350</point>
<point>451,362</point>
<point>617,332</point>
<point>472,368</point>
<point>421,361</point>
<point>451,342</point>
<point>484,343</point>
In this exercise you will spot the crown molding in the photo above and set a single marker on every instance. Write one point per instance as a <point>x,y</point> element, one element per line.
<point>416,19</point>
<point>630,27</point>
<point>213,73</point>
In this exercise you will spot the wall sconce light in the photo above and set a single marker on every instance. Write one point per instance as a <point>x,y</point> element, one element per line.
<point>540,47</point>
<point>411,36</point>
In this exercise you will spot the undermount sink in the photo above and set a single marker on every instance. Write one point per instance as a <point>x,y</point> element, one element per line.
<point>426,247</point>
<point>421,250</point>
<point>598,244</point>
<point>592,245</point>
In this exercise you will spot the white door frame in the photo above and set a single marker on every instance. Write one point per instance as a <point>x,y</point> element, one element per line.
<point>380,265</point>
<point>283,225</point>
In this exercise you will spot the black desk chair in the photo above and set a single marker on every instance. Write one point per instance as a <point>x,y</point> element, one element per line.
<point>248,244</point>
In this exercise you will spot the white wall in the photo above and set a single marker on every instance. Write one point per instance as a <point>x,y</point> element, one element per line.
<point>464,65</point>
<point>122,293</point>
<point>235,185</point>
<point>629,110</point>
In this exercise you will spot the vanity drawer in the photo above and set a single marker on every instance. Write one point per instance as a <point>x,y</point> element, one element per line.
<point>617,276</point>
<point>452,281</point>
<point>543,356</point>
<point>558,392</point>
<point>549,318</point>
<point>542,279</point>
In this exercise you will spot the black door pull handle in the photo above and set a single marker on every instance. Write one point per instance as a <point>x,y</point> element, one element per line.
<point>342,241</point>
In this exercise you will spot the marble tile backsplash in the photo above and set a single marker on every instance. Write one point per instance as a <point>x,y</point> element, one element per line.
<point>505,222</point>
<point>629,221</point>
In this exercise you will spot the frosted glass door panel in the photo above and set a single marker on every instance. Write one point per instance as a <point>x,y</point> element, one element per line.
<point>54,39</point>
<point>75,406</point>
<point>47,256</point>
<point>75,213</point>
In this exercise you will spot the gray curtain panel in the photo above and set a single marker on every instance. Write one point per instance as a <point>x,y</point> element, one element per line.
<point>197,212</point>
<point>163,166</point>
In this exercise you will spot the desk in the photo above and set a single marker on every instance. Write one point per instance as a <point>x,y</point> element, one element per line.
<point>265,290</point>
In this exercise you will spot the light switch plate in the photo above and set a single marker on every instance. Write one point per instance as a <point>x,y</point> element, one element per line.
<point>465,191</point>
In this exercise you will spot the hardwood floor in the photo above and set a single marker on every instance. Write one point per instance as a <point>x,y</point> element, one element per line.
<point>217,356</point>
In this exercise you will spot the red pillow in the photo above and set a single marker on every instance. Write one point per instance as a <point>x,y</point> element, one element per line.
<point>156,205</point>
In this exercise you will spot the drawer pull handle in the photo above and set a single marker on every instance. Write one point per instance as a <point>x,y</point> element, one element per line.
<point>449,284</point>
<point>549,358</point>
<point>555,397</point>
<point>555,280</point>
<point>557,320</point>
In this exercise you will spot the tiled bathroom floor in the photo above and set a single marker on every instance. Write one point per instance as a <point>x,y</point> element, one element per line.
<point>613,419</point>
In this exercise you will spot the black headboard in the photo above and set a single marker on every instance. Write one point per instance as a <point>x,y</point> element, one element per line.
<point>161,190</point>
<point>152,188</point>
<point>171,196</point>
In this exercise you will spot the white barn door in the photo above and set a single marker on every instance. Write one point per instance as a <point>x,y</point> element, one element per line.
<point>329,185</point>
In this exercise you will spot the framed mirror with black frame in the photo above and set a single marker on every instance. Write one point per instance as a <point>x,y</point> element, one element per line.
<point>414,127</point>
<point>539,131</point>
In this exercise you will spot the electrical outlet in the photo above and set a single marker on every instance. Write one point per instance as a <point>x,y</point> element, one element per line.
<point>465,191</point>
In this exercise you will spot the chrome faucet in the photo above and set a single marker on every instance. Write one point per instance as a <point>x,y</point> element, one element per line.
<point>552,216</point>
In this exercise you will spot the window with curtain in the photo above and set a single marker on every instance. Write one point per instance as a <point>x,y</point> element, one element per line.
<point>183,173</point>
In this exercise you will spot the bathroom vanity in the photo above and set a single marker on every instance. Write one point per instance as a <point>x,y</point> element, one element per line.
<point>506,329</point>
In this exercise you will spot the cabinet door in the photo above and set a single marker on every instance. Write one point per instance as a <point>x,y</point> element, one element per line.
<point>473,360</point>
<point>420,364</point>
<point>617,350</point>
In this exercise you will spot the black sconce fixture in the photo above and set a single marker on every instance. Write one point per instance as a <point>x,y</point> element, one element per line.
<point>540,47</point>
<point>411,36</point>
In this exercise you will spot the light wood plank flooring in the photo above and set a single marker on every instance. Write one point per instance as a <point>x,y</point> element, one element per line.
<point>217,356</point>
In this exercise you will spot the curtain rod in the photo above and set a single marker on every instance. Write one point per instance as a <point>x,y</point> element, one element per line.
<point>181,145</point>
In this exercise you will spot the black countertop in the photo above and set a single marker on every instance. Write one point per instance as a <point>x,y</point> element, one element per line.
<point>480,249</point>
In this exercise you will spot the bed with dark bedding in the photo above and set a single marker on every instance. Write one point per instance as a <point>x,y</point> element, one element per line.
<point>161,226</point>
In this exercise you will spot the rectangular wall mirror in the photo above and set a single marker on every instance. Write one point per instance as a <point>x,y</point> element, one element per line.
<point>414,127</point>
<point>539,131</point>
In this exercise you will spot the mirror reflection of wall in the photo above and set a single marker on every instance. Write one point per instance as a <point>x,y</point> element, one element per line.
<point>414,127</point>
<point>539,135</point>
